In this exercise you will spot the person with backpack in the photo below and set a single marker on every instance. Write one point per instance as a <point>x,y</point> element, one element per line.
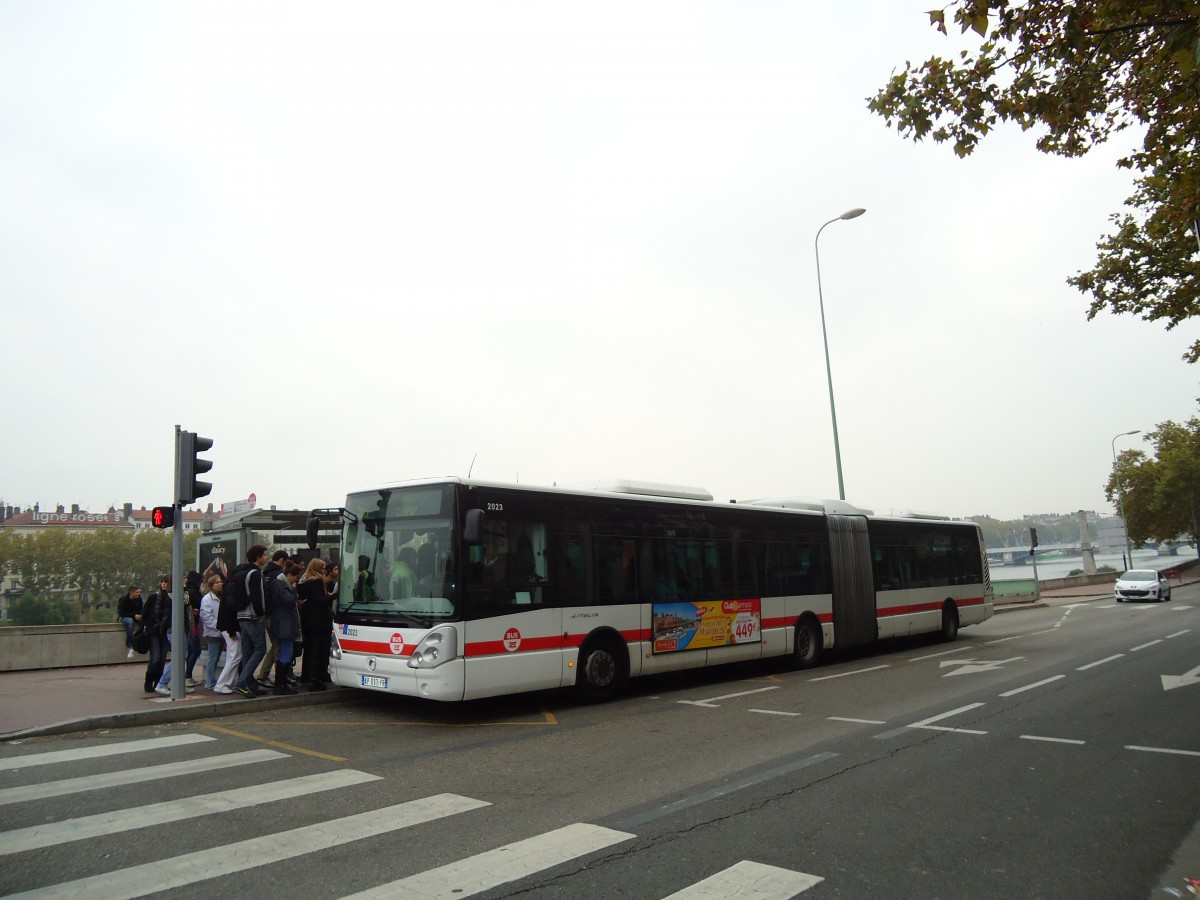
<point>247,583</point>
<point>273,570</point>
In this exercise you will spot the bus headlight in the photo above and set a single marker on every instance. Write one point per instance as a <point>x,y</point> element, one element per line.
<point>435,648</point>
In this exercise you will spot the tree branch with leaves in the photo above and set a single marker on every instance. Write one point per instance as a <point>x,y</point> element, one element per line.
<point>1079,73</point>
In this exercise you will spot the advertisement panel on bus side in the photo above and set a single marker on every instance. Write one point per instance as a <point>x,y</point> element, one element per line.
<point>703,624</point>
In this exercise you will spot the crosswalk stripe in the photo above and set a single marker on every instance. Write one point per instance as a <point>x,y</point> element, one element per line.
<point>51,834</point>
<point>500,866</point>
<point>749,881</point>
<point>58,756</point>
<point>190,868</point>
<point>134,776</point>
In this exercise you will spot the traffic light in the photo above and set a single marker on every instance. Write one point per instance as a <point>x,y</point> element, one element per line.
<point>1032,540</point>
<point>163,517</point>
<point>187,489</point>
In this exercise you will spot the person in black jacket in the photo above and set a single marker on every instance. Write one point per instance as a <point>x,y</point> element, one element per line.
<point>253,636</point>
<point>316,622</point>
<point>129,610</point>
<point>285,623</point>
<point>156,620</point>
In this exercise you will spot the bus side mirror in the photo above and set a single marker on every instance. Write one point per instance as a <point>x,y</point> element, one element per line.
<point>310,530</point>
<point>473,528</point>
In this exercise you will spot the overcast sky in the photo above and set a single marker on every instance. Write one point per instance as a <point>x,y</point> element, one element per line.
<point>357,243</point>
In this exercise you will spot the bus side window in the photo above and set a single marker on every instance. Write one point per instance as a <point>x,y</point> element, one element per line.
<point>614,570</point>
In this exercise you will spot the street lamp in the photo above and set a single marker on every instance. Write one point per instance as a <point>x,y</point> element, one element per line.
<point>837,448</point>
<point>1121,497</point>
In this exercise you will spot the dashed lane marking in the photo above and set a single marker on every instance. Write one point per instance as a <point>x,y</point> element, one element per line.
<point>1051,740</point>
<point>1145,645</point>
<point>855,672</point>
<point>774,712</point>
<point>1099,662</point>
<point>712,701</point>
<point>1163,750</point>
<point>1030,687</point>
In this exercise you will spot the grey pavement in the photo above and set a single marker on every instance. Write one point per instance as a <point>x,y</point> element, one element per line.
<point>61,701</point>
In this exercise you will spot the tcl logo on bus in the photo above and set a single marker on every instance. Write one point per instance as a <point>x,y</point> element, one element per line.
<point>512,640</point>
<point>397,643</point>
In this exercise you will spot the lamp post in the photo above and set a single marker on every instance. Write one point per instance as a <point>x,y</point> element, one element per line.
<point>837,448</point>
<point>1121,497</point>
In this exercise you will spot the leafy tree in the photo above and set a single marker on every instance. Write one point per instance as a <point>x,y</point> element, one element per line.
<point>100,565</point>
<point>1160,494</point>
<point>1079,72</point>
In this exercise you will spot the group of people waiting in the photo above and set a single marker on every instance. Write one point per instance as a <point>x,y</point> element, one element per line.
<point>258,617</point>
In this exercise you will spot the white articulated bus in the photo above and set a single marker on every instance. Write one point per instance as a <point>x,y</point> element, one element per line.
<point>457,589</point>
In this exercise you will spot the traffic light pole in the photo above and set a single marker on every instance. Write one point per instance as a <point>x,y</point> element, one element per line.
<point>179,636</point>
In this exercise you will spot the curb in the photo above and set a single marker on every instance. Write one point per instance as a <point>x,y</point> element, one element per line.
<point>184,712</point>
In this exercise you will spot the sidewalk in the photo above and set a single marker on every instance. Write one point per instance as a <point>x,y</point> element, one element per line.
<point>61,701</point>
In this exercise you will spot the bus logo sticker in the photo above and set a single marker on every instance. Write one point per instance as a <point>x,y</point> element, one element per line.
<point>512,640</point>
<point>397,644</point>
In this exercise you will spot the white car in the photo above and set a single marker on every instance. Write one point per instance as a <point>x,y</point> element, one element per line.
<point>1142,584</point>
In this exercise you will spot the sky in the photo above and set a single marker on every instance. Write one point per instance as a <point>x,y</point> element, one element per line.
<point>542,242</point>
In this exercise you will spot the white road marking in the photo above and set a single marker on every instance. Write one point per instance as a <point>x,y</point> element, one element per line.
<point>1099,662</point>
<point>970,666</point>
<point>749,881</point>
<point>1170,682</point>
<point>774,712</point>
<point>1051,740</point>
<point>1163,750</point>
<point>943,653</point>
<point>944,728</point>
<point>1015,637</point>
<point>102,824</point>
<point>712,701</point>
<point>190,868</point>
<point>856,721</point>
<point>1144,646</point>
<point>1030,687</point>
<point>134,776</point>
<point>485,871</point>
<point>855,672</point>
<point>1178,634</point>
<point>928,723</point>
<point>59,756</point>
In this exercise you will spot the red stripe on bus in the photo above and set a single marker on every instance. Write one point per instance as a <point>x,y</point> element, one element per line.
<point>923,607</point>
<point>381,648</point>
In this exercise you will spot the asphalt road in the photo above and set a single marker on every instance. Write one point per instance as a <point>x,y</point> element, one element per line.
<point>1042,754</point>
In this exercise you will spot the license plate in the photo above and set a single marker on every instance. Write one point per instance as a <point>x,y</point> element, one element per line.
<point>375,681</point>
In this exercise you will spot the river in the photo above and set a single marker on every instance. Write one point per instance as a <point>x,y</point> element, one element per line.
<point>1060,568</point>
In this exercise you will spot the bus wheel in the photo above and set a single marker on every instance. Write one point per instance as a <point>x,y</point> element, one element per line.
<point>949,630</point>
<point>807,651</point>
<point>603,671</point>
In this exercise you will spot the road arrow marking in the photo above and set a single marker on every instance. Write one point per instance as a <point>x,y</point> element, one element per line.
<point>969,666</point>
<point>1169,682</point>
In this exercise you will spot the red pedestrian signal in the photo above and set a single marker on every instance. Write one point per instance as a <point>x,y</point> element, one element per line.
<point>163,517</point>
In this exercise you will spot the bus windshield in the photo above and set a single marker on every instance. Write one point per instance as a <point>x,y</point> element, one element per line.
<point>398,557</point>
